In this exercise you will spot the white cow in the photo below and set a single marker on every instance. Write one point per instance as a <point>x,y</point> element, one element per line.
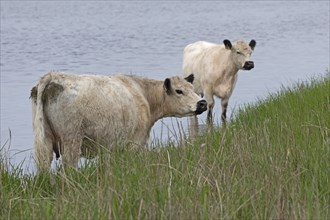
<point>215,68</point>
<point>73,114</point>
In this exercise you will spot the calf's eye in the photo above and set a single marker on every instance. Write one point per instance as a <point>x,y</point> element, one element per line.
<point>178,91</point>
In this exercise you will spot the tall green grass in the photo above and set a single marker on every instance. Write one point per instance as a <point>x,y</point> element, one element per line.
<point>272,161</point>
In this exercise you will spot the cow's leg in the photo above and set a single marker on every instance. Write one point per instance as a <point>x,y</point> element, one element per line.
<point>224,105</point>
<point>44,153</point>
<point>71,150</point>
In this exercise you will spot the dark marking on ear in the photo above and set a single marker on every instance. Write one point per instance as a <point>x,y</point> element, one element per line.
<point>190,78</point>
<point>227,44</point>
<point>252,44</point>
<point>167,85</point>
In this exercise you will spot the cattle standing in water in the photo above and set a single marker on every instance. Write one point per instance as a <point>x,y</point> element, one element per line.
<point>72,111</point>
<point>215,68</point>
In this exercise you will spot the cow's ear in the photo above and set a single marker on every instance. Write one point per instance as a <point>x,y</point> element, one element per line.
<point>190,78</point>
<point>227,44</point>
<point>252,44</point>
<point>167,85</point>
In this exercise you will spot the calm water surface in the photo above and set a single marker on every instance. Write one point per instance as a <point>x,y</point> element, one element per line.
<point>147,39</point>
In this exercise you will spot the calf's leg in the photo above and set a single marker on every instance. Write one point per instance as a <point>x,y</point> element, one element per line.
<point>224,105</point>
<point>193,126</point>
<point>210,104</point>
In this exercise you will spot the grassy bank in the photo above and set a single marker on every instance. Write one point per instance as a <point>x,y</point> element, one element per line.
<point>271,161</point>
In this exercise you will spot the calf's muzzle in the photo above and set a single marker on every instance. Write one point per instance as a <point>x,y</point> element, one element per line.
<point>248,65</point>
<point>201,107</point>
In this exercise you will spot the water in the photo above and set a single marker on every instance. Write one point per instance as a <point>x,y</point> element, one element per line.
<point>147,38</point>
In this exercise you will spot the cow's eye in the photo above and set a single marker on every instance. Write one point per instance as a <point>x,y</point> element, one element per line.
<point>178,91</point>
<point>239,52</point>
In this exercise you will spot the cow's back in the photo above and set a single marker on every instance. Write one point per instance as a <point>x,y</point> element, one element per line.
<point>99,107</point>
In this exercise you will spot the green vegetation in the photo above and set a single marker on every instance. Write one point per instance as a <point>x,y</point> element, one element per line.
<point>272,161</point>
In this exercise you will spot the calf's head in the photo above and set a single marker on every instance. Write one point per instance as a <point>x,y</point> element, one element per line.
<point>241,53</point>
<point>180,98</point>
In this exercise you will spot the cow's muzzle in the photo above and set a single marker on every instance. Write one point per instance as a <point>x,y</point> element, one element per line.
<point>201,107</point>
<point>248,65</point>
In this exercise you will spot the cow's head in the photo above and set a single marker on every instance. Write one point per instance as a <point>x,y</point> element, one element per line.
<point>241,52</point>
<point>181,100</point>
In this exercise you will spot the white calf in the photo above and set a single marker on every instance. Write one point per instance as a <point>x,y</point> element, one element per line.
<point>215,68</point>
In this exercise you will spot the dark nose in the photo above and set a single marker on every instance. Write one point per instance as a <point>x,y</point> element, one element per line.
<point>248,65</point>
<point>201,107</point>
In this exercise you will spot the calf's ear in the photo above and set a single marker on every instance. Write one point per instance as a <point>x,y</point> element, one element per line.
<point>252,44</point>
<point>167,85</point>
<point>227,44</point>
<point>190,78</point>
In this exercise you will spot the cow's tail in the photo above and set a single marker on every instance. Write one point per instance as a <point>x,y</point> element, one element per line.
<point>43,141</point>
